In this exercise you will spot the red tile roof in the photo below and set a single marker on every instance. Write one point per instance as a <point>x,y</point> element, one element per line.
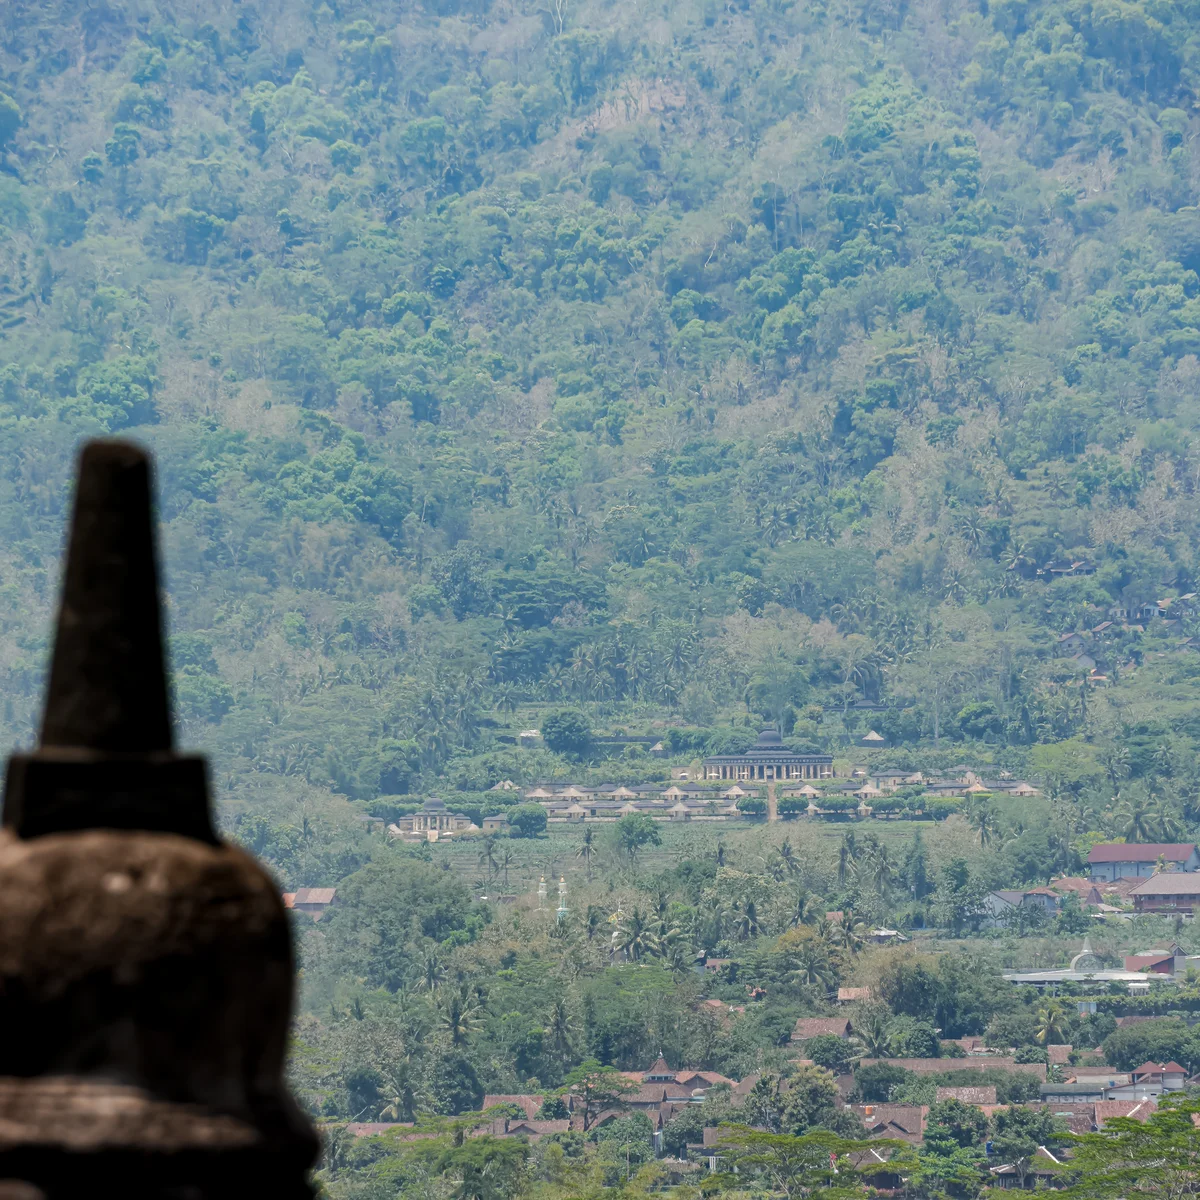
<point>536,1129</point>
<point>1079,1118</point>
<point>903,1121</point>
<point>693,1079</point>
<point>1118,852</point>
<point>528,1104</point>
<point>976,1062</point>
<point>315,895</point>
<point>968,1095</point>
<point>1139,962</point>
<point>1138,1110</point>
<point>374,1128</point>
<point>654,1094</point>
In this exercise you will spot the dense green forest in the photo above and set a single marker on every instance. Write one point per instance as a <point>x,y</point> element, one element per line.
<point>663,369</point>
<point>705,364</point>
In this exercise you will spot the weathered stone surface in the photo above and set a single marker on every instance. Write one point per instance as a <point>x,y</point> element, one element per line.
<point>146,968</point>
<point>108,684</point>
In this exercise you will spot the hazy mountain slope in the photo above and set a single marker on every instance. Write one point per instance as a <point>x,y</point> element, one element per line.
<point>670,359</point>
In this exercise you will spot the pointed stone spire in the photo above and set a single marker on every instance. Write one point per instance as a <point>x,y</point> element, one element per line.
<point>146,966</point>
<point>108,687</point>
<point>105,760</point>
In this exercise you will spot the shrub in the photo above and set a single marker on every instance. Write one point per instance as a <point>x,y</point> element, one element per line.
<point>527,820</point>
<point>567,732</point>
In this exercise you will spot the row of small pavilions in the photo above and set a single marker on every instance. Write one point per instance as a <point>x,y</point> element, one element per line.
<point>883,784</point>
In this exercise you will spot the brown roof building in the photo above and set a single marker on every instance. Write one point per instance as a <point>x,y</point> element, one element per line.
<point>978,1062</point>
<point>1168,892</point>
<point>1085,889</point>
<point>1117,860</point>
<point>529,1105</point>
<point>848,995</point>
<point>903,1121</point>
<point>811,1027</point>
<point>968,1095</point>
<point>311,901</point>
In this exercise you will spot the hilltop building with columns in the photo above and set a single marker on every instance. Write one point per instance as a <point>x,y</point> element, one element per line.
<point>768,760</point>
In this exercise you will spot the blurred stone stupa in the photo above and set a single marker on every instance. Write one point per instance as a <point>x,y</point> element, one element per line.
<point>145,966</point>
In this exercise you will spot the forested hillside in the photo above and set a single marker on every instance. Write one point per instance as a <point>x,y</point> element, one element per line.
<point>655,371</point>
<point>697,364</point>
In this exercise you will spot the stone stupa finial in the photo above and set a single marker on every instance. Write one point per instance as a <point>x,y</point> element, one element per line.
<point>146,968</point>
<point>105,758</point>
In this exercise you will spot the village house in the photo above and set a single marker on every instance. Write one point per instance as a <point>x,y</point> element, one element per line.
<point>1000,904</point>
<point>1155,964</point>
<point>929,1066</point>
<point>1169,892</point>
<point>1041,1172</point>
<point>311,901</point>
<point>967,1095</point>
<point>1119,860</point>
<point>811,1027</point>
<point>853,995</point>
<point>1085,889</point>
<point>1149,1081</point>
<point>905,1122</point>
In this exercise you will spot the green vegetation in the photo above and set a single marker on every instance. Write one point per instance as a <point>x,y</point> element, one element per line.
<point>635,375</point>
<point>601,371</point>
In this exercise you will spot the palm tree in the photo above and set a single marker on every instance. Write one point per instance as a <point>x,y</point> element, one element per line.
<point>679,959</point>
<point>813,968</point>
<point>804,908</point>
<point>849,934</point>
<point>745,921</point>
<point>593,921</point>
<point>846,859</point>
<point>560,1030</point>
<point>1115,760</point>
<point>1164,759</point>
<point>433,973</point>
<point>507,698</point>
<point>637,938</point>
<point>871,1031</point>
<point>774,867</point>
<point>507,859</point>
<point>825,929</point>
<point>457,1016</point>
<point>787,856</point>
<point>876,868</point>
<point>1137,821</point>
<point>400,1092</point>
<point>587,849</point>
<point>1167,822</point>
<point>487,854</point>
<point>981,818</point>
<point>1052,1024</point>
